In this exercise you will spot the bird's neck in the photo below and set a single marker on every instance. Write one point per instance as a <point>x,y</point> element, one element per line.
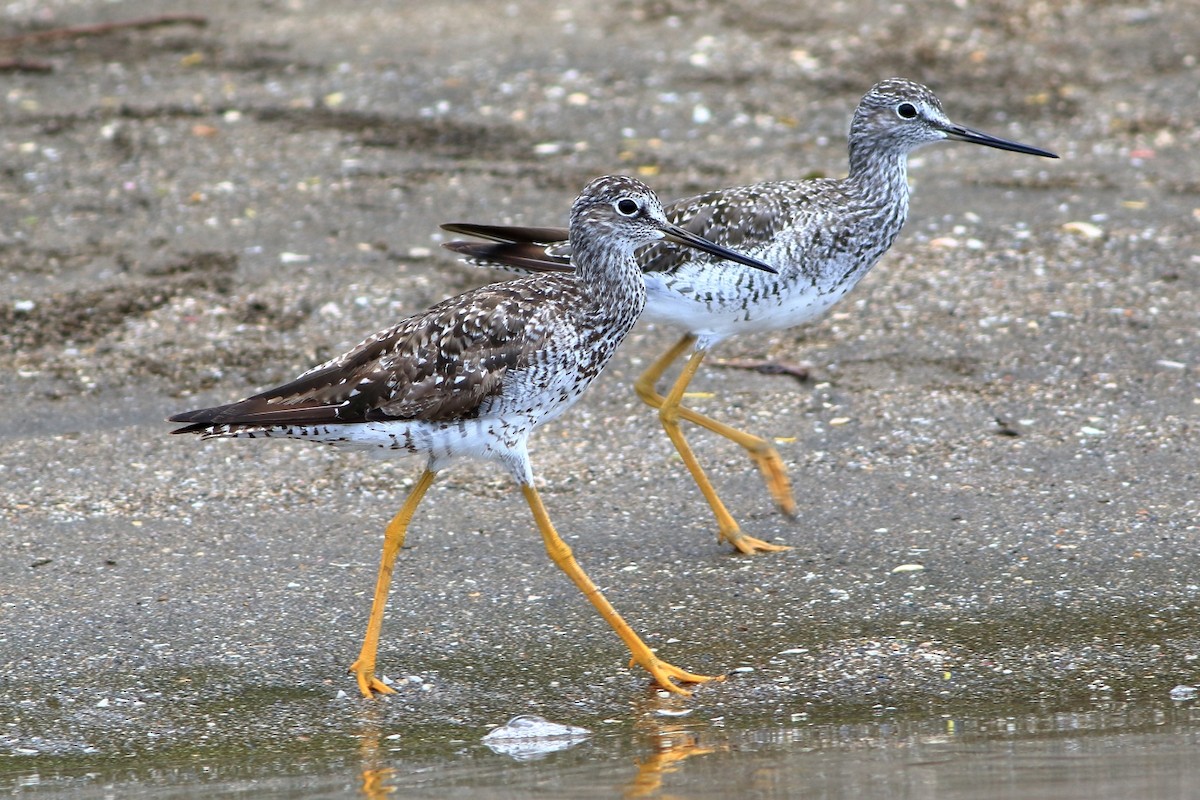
<point>612,278</point>
<point>880,176</point>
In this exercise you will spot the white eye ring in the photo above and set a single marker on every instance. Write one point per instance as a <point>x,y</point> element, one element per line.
<point>626,207</point>
<point>906,111</point>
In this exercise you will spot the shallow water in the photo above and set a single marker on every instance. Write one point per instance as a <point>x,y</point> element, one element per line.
<point>1100,751</point>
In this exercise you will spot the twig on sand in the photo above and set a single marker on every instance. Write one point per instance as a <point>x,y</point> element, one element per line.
<point>101,29</point>
<point>24,65</point>
<point>798,371</point>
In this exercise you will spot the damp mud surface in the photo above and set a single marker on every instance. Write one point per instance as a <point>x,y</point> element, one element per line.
<point>992,441</point>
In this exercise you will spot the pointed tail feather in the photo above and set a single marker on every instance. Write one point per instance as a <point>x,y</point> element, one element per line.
<point>512,234</point>
<point>512,248</point>
<point>521,257</point>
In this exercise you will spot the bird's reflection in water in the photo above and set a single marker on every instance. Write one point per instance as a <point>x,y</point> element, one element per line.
<point>372,758</point>
<point>662,725</point>
<point>374,782</point>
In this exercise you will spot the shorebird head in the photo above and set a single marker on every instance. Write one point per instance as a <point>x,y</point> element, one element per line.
<point>620,214</point>
<point>902,115</point>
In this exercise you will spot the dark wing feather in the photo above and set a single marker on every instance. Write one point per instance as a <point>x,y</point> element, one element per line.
<point>440,365</point>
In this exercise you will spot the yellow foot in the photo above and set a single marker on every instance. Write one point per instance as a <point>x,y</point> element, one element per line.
<point>368,684</point>
<point>663,674</point>
<point>750,545</point>
<point>775,474</point>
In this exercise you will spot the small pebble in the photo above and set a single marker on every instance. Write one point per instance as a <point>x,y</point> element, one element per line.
<point>1182,692</point>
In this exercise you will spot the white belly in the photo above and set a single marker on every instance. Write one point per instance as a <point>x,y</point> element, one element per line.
<point>715,304</point>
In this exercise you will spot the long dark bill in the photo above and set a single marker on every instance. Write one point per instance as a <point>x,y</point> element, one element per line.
<point>961,134</point>
<point>678,235</point>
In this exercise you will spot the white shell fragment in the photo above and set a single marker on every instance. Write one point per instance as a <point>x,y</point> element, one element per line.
<point>528,737</point>
<point>1085,229</point>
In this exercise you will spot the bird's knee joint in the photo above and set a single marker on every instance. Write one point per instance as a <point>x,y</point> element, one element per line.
<point>559,552</point>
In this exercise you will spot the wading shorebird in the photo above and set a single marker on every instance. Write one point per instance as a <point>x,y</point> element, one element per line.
<point>821,235</point>
<point>473,376</point>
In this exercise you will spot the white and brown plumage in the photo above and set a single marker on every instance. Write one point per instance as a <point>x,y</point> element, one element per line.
<point>474,375</point>
<point>822,236</point>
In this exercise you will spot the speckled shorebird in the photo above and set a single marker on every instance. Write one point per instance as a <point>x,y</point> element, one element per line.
<point>823,236</point>
<point>474,375</point>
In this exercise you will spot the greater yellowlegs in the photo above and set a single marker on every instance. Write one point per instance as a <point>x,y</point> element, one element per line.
<point>474,375</point>
<point>823,235</point>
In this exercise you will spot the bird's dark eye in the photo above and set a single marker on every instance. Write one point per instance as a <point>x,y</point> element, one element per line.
<point>626,207</point>
<point>907,110</point>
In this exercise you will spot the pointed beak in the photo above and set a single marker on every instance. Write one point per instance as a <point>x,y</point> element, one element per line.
<point>676,234</point>
<point>960,134</point>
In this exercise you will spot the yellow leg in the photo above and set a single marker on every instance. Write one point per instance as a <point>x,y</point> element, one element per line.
<point>670,411</point>
<point>560,554</point>
<point>760,450</point>
<point>646,385</point>
<point>364,666</point>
